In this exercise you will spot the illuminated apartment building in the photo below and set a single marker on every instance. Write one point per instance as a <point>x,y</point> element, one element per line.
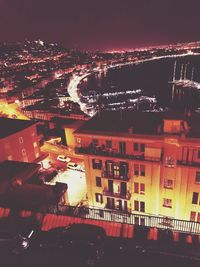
<point>18,140</point>
<point>144,163</point>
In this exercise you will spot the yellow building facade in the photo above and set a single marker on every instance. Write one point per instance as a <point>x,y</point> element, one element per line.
<point>146,164</point>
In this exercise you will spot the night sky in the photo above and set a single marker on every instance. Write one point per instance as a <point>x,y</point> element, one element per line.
<point>103,24</point>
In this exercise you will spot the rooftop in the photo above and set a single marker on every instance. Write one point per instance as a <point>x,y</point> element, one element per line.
<point>135,123</point>
<point>10,170</point>
<point>123,122</point>
<point>11,126</point>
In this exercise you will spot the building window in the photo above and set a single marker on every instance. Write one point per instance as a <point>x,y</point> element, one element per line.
<point>108,143</point>
<point>21,140</point>
<point>192,216</point>
<point>136,188</point>
<point>142,206</point>
<point>197,178</point>
<point>136,147</point>
<point>24,152</point>
<point>195,197</point>
<point>167,203</point>
<point>97,164</point>
<point>198,217</point>
<point>139,147</point>
<point>169,162</point>
<point>136,169</point>
<point>136,205</point>
<point>99,198</point>
<point>142,147</point>
<point>98,181</point>
<point>168,183</point>
<point>123,169</point>
<point>122,148</point>
<point>35,144</point>
<point>95,142</point>
<point>139,188</point>
<point>142,170</point>
<point>139,206</point>
<point>10,157</point>
<point>78,140</point>
<point>142,189</point>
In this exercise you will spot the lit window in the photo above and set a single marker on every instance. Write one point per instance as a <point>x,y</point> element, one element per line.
<point>168,183</point>
<point>78,140</point>
<point>10,157</point>
<point>167,203</point>
<point>169,161</point>
<point>24,152</point>
<point>99,198</point>
<point>21,140</point>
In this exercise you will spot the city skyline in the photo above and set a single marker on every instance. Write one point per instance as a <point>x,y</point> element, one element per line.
<point>103,25</point>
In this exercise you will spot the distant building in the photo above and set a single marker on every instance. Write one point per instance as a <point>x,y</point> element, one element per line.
<point>145,163</point>
<point>18,140</point>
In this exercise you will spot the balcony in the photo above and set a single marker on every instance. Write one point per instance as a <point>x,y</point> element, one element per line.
<point>188,163</point>
<point>127,196</point>
<point>102,151</point>
<point>108,175</point>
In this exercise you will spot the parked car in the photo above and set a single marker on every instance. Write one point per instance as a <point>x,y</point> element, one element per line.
<point>83,240</point>
<point>63,158</point>
<point>16,234</point>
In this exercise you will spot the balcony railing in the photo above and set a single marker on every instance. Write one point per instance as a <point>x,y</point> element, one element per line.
<point>101,151</point>
<point>108,175</point>
<point>188,163</point>
<point>118,195</point>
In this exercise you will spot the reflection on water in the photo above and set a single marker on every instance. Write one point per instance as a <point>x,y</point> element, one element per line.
<point>146,86</point>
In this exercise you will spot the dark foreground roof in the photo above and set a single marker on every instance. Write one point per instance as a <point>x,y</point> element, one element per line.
<point>10,126</point>
<point>11,169</point>
<point>123,122</point>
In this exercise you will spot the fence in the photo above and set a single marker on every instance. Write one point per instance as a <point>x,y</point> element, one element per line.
<point>130,218</point>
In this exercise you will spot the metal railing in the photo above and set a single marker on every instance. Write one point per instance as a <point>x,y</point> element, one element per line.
<point>188,163</point>
<point>108,175</point>
<point>113,153</point>
<point>118,195</point>
<point>130,218</point>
